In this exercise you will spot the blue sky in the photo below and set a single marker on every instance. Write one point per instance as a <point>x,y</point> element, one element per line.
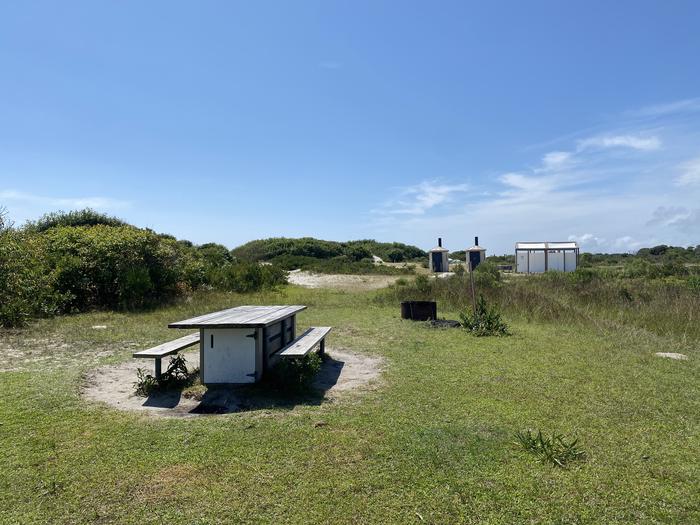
<point>230,121</point>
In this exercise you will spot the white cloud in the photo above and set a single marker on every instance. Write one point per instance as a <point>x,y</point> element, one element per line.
<point>627,243</point>
<point>98,203</point>
<point>526,183</point>
<point>416,200</point>
<point>691,173</point>
<point>555,160</point>
<point>636,142</point>
<point>678,217</point>
<point>660,110</point>
<point>588,240</point>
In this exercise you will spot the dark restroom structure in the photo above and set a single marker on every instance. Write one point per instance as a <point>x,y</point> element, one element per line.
<point>437,258</point>
<point>475,255</point>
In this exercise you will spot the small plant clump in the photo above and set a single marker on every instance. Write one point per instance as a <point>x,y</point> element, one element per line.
<point>484,321</point>
<point>295,375</point>
<point>175,376</point>
<point>554,449</point>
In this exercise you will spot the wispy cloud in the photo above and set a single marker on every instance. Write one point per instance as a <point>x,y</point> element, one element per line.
<point>416,200</point>
<point>637,142</point>
<point>688,105</point>
<point>556,160</point>
<point>98,203</point>
<point>690,175</point>
<point>679,217</point>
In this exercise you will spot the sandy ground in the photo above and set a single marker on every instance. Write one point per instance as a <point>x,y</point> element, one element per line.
<point>343,282</point>
<point>343,372</point>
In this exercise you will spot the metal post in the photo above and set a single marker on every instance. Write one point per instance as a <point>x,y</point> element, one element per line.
<point>471,280</point>
<point>158,368</point>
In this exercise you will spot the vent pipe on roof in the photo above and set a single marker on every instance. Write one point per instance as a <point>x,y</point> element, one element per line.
<point>476,241</point>
<point>440,242</point>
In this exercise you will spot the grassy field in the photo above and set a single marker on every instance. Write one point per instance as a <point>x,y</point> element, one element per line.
<point>433,442</point>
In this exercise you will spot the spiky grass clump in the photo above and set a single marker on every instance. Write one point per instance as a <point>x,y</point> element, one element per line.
<point>554,449</point>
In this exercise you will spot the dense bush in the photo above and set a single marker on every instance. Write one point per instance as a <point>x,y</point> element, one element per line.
<point>487,274</point>
<point>26,284</point>
<point>81,260</point>
<point>336,265</point>
<point>246,277</point>
<point>86,217</point>
<point>296,374</point>
<point>280,247</point>
<point>113,267</point>
<point>268,249</point>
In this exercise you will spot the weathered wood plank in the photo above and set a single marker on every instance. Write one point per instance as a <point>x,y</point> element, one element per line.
<point>215,316</point>
<point>303,344</point>
<point>240,317</point>
<point>277,315</point>
<point>171,347</point>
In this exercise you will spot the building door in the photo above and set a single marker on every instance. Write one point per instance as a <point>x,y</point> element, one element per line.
<point>437,261</point>
<point>228,355</point>
<point>474,259</point>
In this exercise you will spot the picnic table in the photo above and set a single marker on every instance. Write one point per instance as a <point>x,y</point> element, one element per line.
<point>239,344</point>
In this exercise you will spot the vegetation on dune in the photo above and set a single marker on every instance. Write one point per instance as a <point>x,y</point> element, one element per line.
<point>86,217</point>
<point>275,248</point>
<point>341,264</point>
<point>80,260</point>
<point>66,263</point>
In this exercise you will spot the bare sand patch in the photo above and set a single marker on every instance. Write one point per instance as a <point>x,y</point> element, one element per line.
<point>340,281</point>
<point>343,372</point>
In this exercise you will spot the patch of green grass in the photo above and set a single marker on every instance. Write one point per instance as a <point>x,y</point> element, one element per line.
<point>432,443</point>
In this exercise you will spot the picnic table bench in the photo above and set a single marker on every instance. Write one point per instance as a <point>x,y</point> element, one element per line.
<point>238,344</point>
<point>303,344</point>
<point>165,349</point>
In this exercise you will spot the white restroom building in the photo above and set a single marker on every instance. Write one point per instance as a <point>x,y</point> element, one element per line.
<point>540,257</point>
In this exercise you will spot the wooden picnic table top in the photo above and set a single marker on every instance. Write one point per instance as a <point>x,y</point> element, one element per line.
<point>241,317</point>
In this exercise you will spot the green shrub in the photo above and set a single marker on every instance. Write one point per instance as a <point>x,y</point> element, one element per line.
<point>358,253</point>
<point>395,255</point>
<point>341,264</point>
<point>112,266</point>
<point>86,217</point>
<point>176,376</point>
<point>296,374</point>
<point>213,255</point>
<point>423,285</point>
<point>487,274</point>
<point>246,277</point>
<point>27,285</point>
<point>694,283</point>
<point>269,249</point>
<point>484,321</point>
